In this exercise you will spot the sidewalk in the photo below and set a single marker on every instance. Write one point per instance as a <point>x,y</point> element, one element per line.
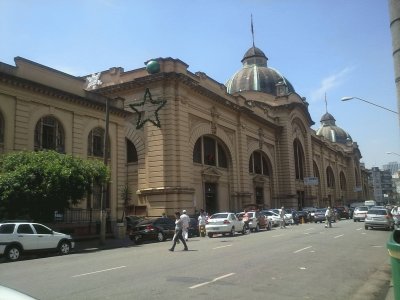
<point>390,294</point>
<point>93,244</point>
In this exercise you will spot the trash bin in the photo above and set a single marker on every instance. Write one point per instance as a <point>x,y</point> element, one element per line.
<point>393,246</point>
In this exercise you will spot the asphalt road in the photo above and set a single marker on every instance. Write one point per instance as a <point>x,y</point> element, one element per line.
<point>306,261</point>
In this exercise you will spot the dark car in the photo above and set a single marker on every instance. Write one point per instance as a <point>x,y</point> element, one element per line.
<point>193,227</point>
<point>304,216</point>
<point>319,215</point>
<point>342,212</point>
<point>157,229</point>
<point>131,221</point>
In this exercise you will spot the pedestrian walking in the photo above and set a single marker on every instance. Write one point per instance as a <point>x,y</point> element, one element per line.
<point>328,217</point>
<point>282,215</point>
<point>202,223</point>
<point>185,225</point>
<point>178,232</point>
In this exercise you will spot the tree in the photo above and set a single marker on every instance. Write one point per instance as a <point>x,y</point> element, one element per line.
<point>35,184</point>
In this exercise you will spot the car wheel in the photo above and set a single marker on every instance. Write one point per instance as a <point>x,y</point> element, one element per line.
<point>13,253</point>
<point>257,229</point>
<point>210,235</point>
<point>232,233</point>
<point>366,227</point>
<point>160,237</point>
<point>136,239</point>
<point>355,220</point>
<point>244,230</point>
<point>64,247</point>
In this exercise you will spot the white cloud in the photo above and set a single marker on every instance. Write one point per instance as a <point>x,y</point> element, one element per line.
<point>328,84</point>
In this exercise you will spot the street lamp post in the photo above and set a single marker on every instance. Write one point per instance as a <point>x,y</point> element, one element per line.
<point>351,98</point>
<point>103,202</point>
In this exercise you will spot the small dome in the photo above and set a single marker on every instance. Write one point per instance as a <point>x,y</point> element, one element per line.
<point>331,132</point>
<point>256,76</point>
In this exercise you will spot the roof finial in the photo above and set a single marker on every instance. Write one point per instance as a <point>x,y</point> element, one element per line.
<point>252,29</point>
<point>326,104</point>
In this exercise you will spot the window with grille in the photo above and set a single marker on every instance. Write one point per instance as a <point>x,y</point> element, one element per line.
<point>49,135</point>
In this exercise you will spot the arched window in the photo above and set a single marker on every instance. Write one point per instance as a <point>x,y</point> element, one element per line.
<point>342,181</point>
<point>49,134</point>
<point>131,154</point>
<point>330,178</point>
<point>208,151</point>
<point>358,184</point>
<point>96,143</point>
<point>298,159</point>
<point>316,171</point>
<point>258,163</point>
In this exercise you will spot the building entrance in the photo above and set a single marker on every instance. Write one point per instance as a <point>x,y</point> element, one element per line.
<point>210,195</point>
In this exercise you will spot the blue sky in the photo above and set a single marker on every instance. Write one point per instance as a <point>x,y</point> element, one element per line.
<point>338,47</point>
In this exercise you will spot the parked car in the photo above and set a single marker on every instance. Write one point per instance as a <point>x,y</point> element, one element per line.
<point>304,216</point>
<point>288,215</point>
<point>131,221</point>
<point>156,229</point>
<point>342,212</point>
<point>311,211</point>
<point>272,217</point>
<point>319,215</point>
<point>359,214</point>
<point>225,223</point>
<point>257,221</point>
<point>17,238</point>
<point>379,218</point>
<point>193,229</point>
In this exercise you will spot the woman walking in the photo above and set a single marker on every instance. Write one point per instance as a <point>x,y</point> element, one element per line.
<point>178,232</point>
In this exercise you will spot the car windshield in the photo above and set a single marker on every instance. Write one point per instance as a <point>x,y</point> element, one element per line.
<point>361,208</point>
<point>219,216</point>
<point>381,212</point>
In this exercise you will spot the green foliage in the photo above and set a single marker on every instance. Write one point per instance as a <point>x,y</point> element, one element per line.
<point>35,184</point>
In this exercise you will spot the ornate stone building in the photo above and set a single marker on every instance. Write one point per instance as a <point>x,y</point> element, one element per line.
<point>206,145</point>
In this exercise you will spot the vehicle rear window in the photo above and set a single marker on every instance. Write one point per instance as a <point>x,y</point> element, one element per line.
<point>361,208</point>
<point>7,228</point>
<point>219,216</point>
<point>381,212</point>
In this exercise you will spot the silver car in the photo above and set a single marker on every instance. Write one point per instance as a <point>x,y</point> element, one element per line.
<point>360,213</point>
<point>379,218</point>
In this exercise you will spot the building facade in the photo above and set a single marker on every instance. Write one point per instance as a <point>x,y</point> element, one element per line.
<point>181,140</point>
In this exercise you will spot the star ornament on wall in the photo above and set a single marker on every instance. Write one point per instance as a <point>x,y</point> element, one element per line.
<point>148,110</point>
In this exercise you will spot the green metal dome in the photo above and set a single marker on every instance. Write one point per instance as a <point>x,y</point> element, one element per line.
<point>255,75</point>
<point>331,132</point>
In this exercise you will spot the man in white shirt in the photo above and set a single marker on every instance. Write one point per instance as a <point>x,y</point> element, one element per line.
<point>328,216</point>
<point>185,225</point>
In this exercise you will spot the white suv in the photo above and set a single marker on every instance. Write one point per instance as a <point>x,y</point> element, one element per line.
<point>19,237</point>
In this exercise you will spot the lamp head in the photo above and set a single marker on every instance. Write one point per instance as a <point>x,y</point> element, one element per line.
<point>347,98</point>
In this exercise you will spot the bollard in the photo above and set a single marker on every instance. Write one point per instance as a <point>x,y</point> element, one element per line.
<point>393,246</point>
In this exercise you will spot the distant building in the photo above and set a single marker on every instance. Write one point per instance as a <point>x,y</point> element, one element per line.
<point>393,167</point>
<point>384,189</point>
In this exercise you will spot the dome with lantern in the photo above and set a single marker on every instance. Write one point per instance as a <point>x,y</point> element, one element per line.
<point>255,75</point>
<point>331,132</point>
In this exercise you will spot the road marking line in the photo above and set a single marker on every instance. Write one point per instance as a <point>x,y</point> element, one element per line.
<point>377,246</point>
<point>277,235</point>
<point>338,236</point>
<point>222,247</point>
<point>214,280</point>
<point>358,228</point>
<point>297,251</point>
<point>309,229</point>
<point>105,270</point>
